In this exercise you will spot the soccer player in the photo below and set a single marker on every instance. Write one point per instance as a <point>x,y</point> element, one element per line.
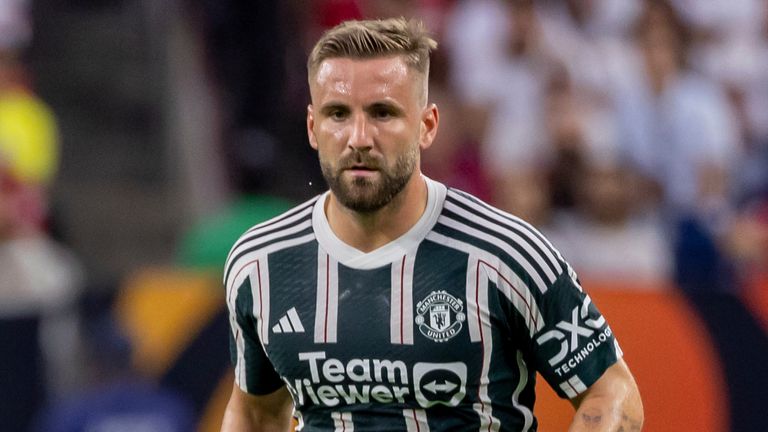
<point>393,303</point>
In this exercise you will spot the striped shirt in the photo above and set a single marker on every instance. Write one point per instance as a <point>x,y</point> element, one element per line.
<point>442,329</point>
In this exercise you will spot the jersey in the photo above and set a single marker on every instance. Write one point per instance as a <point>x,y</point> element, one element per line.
<point>442,329</point>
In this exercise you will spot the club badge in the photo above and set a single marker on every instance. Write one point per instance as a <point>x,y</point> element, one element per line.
<point>440,316</point>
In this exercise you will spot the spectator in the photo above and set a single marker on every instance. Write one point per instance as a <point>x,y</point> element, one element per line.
<point>37,321</point>
<point>29,146</point>
<point>40,279</point>
<point>589,38</point>
<point>745,73</point>
<point>500,68</point>
<point>679,133</point>
<point>601,230</point>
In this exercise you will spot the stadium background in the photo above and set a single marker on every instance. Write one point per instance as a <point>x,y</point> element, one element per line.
<point>167,126</point>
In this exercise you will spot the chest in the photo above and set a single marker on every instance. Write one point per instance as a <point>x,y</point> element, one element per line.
<point>396,333</point>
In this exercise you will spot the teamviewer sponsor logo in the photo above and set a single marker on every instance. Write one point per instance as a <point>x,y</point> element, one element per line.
<point>332,381</point>
<point>576,337</point>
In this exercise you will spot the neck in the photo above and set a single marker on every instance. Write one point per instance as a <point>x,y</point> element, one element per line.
<point>371,230</point>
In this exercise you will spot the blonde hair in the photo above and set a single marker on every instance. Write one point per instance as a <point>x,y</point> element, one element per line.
<point>375,38</point>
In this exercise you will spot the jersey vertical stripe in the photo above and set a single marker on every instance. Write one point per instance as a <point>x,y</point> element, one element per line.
<point>260,287</point>
<point>473,312</point>
<point>258,245</point>
<point>495,215</point>
<point>524,410</point>
<point>243,266</point>
<point>237,334</point>
<point>327,303</point>
<point>243,273</point>
<point>506,281</point>
<point>478,294</point>
<point>415,420</point>
<point>504,246</point>
<point>513,288</point>
<point>573,386</point>
<point>252,273</point>
<point>401,301</point>
<point>342,421</point>
<point>263,236</point>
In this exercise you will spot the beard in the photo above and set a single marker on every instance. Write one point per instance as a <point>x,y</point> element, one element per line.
<point>367,195</point>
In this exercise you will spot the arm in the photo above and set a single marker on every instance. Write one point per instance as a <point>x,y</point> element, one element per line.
<point>611,404</point>
<point>251,413</point>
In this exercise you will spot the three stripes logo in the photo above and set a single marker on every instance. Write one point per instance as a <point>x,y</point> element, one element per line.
<point>289,323</point>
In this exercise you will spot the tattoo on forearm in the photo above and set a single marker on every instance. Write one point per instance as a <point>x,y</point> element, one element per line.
<point>593,419</point>
<point>629,424</point>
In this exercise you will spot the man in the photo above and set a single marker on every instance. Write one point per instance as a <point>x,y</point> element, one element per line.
<point>394,303</point>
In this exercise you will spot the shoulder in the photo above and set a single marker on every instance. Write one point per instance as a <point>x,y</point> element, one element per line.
<point>284,221</point>
<point>484,220</point>
<point>493,232</point>
<point>288,228</point>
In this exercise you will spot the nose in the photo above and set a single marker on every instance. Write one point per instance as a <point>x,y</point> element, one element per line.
<point>361,135</point>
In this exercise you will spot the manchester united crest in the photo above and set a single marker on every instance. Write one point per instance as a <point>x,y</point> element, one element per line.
<point>440,316</point>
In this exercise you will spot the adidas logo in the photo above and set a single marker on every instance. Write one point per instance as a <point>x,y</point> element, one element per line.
<point>289,323</point>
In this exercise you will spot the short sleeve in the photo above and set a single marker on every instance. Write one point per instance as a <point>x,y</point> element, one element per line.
<point>254,372</point>
<point>575,345</point>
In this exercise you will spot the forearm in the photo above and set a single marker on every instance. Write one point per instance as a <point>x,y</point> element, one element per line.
<point>236,421</point>
<point>607,415</point>
<point>246,413</point>
<point>611,404</point>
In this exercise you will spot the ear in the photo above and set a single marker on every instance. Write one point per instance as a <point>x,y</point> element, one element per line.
<point>311,126</point>
<point>430,119</point>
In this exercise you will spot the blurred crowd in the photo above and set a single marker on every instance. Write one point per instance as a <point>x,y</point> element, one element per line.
<point>39,278</point>
<point>65,363</point>
<point>633,133</point>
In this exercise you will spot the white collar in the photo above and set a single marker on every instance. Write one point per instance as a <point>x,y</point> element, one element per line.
<point>394,250</point>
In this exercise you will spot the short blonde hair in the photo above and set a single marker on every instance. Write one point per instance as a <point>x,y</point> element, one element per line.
<point>375,38</point>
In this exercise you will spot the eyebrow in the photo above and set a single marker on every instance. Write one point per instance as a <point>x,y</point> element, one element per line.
<point>389,105</point>
<point>381,104</point>
<point>333,106</point>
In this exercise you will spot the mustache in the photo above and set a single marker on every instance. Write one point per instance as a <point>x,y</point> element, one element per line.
<point>360,159</point>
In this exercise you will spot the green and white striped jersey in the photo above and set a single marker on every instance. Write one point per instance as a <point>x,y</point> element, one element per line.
<point>442,329</point>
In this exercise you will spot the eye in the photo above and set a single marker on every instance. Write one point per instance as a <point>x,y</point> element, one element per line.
<point>337,114</point>
<point>382,113</point>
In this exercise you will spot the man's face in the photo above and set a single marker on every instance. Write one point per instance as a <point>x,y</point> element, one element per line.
<point>368,121</point>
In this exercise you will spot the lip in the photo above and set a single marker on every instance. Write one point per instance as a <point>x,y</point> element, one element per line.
<point>362,167</point>
<point>361,171</point>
